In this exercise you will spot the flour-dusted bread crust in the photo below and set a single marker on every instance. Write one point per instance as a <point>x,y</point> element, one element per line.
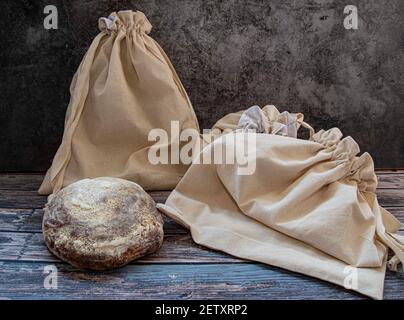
<point>102,223</point>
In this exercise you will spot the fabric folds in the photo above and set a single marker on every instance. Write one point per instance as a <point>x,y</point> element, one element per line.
<point>124,87</point>
<point>309,206</point>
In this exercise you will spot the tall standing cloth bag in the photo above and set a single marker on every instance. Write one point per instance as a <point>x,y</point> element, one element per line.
<point>124,87</point>
<point>309,206</point>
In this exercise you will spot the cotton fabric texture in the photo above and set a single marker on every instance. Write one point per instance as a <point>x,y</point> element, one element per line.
<point>265,120</point>
<point>309,207</point>
<point>124,87</point>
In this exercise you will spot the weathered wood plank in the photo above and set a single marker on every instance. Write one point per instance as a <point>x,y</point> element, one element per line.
<point>28,184</point>
<point>23,199</point>
<point>390,197</point>
<point>20,190</point>
<point>30,200</point>
<point>202,273</point>
<point>31,182</point>
<point>390,180</point>
<point>205,281</point>
<point>389,171</point>
<point>21,246</point>
<point>20,181</point>
<point>30,220</point>
<point>27,220</point>
<point>28,245</point>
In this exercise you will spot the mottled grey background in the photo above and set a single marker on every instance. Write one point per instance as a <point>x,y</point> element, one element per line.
<point>229,54</point>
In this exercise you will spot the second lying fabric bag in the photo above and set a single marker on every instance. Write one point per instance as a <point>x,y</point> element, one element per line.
<point>124,87</point>
<point>309,206</point>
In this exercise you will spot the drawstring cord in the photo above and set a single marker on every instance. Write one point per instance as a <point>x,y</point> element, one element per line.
<point>393,264</point>
<point>310,128</point>
<point>394,241</point>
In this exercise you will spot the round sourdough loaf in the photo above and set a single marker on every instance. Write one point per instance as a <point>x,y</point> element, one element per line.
<point>102,223</point>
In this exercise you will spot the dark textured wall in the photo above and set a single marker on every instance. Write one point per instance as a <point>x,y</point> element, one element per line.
<point>230,55</point>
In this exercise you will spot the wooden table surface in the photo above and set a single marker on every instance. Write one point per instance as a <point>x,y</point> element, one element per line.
<point>181,269</point>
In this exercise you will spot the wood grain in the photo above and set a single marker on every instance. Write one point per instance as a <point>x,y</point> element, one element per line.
<point>31,182</point>
<point>390,180</point>
<point>20,181</point>
<point>25,199</point>
<point>179,248</point>
<point>28,199</point>
<point>21,280</point>
<point>181,269</point>
<point>390,197</point>
<point>30,220</point>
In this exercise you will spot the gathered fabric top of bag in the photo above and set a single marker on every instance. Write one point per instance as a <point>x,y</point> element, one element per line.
<point>265,120</point>
<point>344,150</point>
<point>127,20</point>
<point>310,205</point>
<point>124,88</point>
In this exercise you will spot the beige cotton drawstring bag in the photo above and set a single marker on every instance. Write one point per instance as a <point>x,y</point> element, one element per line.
<point>309,206</point>
<point>124,87</point>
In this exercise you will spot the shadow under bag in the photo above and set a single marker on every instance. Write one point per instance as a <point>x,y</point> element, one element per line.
<point>124,87</point>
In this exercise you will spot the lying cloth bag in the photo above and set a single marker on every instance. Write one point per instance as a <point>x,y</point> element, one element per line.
<point>124,87</point>
<point>309,206</point>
